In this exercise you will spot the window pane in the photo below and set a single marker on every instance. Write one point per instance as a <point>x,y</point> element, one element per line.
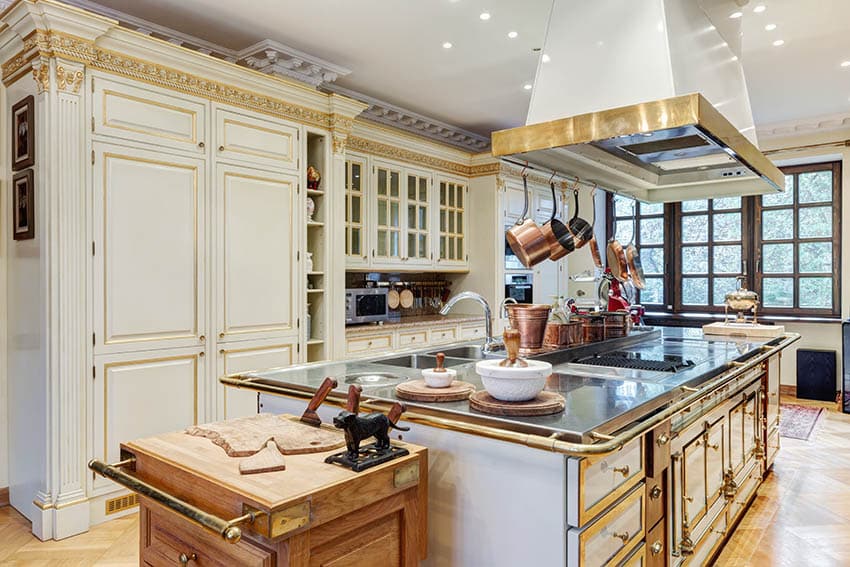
<point>695,291</point>
<point>423,218</point>
<point>652,260</point>
<point>355,209</point>
<point>394,183</point>
<point>777,258</point>
<point>695,228</point>
<point>727,227</point>
<point>459,197</point>
<point>653,292</point>
<point>815,222</point>
<point>355,177</point>
<point>695,260</point>
<point>815,257</point>
<point>652,231</point>
<point>815,187</point>
<point>382,213</point>
<point>623,231</point>
<point>777,225</point>
<point>622,206</point>
<point>726,203</point>
<point>355,241</point>
<point>382,182</point>
<point>411,245</point>
<point>411,187</point>
<point>816,293</point>
<point>727,260</point>
<point>651,208</point>
<point>722,286</point>
<point>778,292</point>
<point>411,216</point>
<point>394,214</point>
<point>423,253</point>
<point>785,198</point>
<point>696,205</point>
<point>442,193</point>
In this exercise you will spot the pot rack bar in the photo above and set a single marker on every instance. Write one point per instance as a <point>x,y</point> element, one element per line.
<point>608,444</point>
<point>572,179</point>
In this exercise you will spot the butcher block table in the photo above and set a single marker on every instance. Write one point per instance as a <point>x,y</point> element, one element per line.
<point>197,509</point>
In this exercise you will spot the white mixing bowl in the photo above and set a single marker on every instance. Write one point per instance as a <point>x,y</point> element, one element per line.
<point>515,383</point>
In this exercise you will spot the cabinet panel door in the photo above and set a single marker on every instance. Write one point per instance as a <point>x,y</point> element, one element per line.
<point>514,201</point>
<point>693,481</point>
<point>543,205</point>
<point>451,199</point>
<point>716,460</point>
<point>256,140</point>
<point>356,220</point>
<point>773,365</point>
<point>737,434</point>
<point>242,357</point>
<point>149,284</point>
<point>142,394</point>
<point>143,113</point>
<point>387,234</point>
<point>258,273</point>
<point>417,249</point>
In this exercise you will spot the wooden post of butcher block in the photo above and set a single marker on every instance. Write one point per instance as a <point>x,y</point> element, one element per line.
<point>312,513</point>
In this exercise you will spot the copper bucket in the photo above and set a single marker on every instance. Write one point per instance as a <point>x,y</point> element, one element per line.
<point>530,320</point>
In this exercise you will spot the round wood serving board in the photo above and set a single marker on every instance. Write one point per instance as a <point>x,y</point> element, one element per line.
<point>417,391</point>
<point>546,403</point>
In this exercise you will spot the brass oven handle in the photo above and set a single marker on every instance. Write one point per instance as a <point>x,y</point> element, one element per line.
<point>624,537</point>
<point>227,529</point>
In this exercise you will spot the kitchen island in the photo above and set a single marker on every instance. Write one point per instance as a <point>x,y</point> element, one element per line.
<point>644,466</point>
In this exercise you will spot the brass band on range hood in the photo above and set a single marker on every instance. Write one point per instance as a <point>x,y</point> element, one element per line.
<point>566,142</point>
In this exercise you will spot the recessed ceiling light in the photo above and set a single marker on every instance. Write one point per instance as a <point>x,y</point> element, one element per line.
<point>527,86</point>
<point>778,42</point>
<point>736,15</point>
<point>845,63</point>
<point>760,8</point>
<point>512,34</point>
<point>447,45</point>
<point>734,58</point>
<point>770,27</point>
<point>484,16</point>
<point>545,58</point>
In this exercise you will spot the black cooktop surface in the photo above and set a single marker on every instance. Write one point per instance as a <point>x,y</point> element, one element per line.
<point>638,361</point>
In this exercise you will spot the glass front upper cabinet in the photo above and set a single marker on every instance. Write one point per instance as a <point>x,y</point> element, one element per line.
<point>418,224</point>
<point>388,225</point>
<point>355,211</point>
<point>452,201</point>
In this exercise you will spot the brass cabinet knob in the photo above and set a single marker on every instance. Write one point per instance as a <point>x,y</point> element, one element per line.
<point>622,470</point>
<point>221,335</point>
<point>221,351</point>
<point>714,447</point>
<point>202,338</point>
<point>221,148</point>
<point>201,145</point>
<point>655,493</point>
<point>656,547</point>
<point>185,559</point>
<point>624,537</point>
<point>202,354</point>
<point>662,440</point>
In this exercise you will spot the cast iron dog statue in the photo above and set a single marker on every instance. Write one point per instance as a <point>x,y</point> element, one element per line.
<point>357,428</point>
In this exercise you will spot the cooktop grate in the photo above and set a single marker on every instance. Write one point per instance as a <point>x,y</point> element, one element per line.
<point>638,361</point>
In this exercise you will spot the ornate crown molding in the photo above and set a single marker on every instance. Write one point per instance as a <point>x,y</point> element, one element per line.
<point>274,58</point>
<point>396,153</point>
<point>69,80</point>
<point>826,123</point>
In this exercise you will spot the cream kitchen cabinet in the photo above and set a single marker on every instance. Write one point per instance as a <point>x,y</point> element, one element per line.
<point>257,241</point>
<point>452,203</point>
<point>384,338</point>
<point>256,140</point>
<point>149,249</point>
<point>140,394</point>
<point>245,357</point>
<point>357,234</point>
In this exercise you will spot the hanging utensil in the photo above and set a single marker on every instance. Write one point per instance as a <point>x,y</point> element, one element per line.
<point>525,238</point>
<point>594,246</point>
<point>580,229</point>
<point>557,234</point>
<point>406,298</point>
<point>633,256</point>
<point>617,260</point>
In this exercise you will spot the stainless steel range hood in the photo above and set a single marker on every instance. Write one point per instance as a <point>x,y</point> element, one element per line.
<point>675,147</point>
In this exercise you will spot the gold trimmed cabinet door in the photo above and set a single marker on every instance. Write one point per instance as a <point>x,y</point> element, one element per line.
<point>452,196</point>
<point>357,237</point>
<point>149,249</point>
<point>417,218</point>
<point>141,394</point>
<point>254,139</point>
<point>387,235</point>
<point>246,356</point>
<point>257,266</point>
<point>130,110</point>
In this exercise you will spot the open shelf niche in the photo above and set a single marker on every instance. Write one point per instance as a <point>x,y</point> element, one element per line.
<point>316,303</point>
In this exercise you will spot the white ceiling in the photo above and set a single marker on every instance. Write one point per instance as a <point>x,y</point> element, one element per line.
<point>394,50</point>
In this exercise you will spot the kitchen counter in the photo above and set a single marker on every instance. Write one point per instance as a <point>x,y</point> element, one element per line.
<point>599,400</point>
<point>413,322</point>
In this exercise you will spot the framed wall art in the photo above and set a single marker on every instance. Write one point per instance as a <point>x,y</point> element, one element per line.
<point>23,133</point>
<point>23,205</point>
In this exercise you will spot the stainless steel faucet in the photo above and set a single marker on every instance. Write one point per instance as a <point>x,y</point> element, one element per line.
<point>489,341</point>
<point>503,306</point>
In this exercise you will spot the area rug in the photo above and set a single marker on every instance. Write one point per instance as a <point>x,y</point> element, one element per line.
<point>798,422</point>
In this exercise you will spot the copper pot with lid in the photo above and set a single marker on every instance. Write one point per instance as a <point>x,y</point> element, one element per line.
<point>525,238</point>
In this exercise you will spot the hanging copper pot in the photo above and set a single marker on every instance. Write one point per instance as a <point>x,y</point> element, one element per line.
<point>558,236</point>
<point>525,238</point>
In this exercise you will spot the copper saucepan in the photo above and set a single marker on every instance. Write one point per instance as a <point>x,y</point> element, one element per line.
<point>525,238</point>
<point>580,229</point>
<point>558,236</point>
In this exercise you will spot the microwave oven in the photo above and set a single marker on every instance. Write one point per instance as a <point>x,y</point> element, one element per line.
<point>366,305</point>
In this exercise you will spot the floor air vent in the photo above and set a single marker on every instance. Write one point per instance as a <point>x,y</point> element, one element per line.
<point>115,505</point>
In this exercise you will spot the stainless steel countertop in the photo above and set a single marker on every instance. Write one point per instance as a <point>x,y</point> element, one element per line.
<point>598,399</point>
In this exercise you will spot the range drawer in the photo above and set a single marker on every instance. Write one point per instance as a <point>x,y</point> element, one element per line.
<point>412,338</point>
<point>443,335</point>
<point>610,538</point>
<point>369,344</point>
<point>594,483</point>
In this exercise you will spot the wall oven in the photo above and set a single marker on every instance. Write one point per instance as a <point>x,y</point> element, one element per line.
<point>366,305</point>
<point>519,287</point>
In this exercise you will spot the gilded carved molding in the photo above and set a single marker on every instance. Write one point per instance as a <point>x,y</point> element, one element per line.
<point>340,129</point>
<point>401,154</point>
<point>69,80</point>
<point>41,74</point>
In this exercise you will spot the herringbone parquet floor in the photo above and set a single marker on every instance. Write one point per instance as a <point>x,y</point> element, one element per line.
<point>801,516</point>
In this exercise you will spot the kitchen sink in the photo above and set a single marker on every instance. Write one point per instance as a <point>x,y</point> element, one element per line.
<point>367,379</point>
<point>421,361</point>
<point>468,352</point>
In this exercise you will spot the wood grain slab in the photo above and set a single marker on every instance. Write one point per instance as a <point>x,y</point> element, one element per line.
<point>546,403</point>
<point>244,436</point>
<point>267,459</point>
<point>418,391</point>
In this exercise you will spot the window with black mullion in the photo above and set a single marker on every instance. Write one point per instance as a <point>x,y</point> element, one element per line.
<point>645,223</point>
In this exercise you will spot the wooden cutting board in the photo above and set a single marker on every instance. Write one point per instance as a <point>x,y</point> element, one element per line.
<point>418,391</point>
<point>743,329</point>
<point>244,436</point>
<point>546,403</point>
